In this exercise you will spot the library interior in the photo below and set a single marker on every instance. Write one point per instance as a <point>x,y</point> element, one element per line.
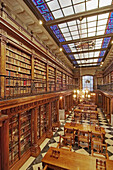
<point>56,84</point>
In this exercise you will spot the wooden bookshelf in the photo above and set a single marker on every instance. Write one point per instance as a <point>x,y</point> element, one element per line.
<point>25,131</point>
<point>19,135</point>
<point>18,71</point>
<point>40,73</point>
<point>53,112</point>
<point>17,62</point>
<point>64,80</point>
<point>13,139</point>
<point>51,78</point>
<point>43,122</point>
<point>59,80</point>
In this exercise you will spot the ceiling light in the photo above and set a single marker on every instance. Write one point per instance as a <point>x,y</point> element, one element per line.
<point>60,97</point>
<point>112,42</point>
<point>40,22</point>
<point>60,49</point>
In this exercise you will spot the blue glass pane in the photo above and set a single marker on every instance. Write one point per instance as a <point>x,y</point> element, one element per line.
<point>48,16</point>
<point>74,62</point>
<point>43,9</point>
<point>38,2</point>
<point>108,31</point>
<point>67,49</point>
<point>72,57</point>
<point>57,32</point>
<point>102,53</point>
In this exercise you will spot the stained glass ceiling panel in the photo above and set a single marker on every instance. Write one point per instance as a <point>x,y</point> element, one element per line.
<point>76,30</point>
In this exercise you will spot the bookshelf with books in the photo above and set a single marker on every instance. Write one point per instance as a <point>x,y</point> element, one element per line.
<point>64,80</point>
<point>13,139</point>
<point>53,112</point>
<point>59,80</point>
<point>18,71</point>
<point>40,73</point>
<point>17,61</point>
<point>25,131</point>
<point>51,78</point>
<point>19,135</point>
<point>43,120</point>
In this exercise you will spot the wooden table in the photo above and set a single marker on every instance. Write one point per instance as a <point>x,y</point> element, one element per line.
<point>72,161</point>
<point>84,127</point>
<point>87,105</point>
<point>87,112</point>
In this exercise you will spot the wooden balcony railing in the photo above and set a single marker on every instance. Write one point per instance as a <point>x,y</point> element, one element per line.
<point>106,87</point>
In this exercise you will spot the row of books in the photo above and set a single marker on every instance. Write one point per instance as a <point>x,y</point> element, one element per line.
<point>16,68</point>
<point>12,50</point>
<point>18,63</point>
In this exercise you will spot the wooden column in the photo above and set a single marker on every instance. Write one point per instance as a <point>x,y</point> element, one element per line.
<point>4,142</point>
<point>35,149</point>
<point>2,64</point>
<point>49,134</point>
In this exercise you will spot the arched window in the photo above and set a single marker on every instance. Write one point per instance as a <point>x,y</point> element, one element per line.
<point>87,82</point>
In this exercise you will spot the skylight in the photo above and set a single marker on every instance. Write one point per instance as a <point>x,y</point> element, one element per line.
<point>77,30</point>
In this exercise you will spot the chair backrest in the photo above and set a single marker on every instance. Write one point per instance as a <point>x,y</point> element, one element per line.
<point>92,108</point>
<point>100,164</point>
<point>65,141</point>
<point>94,122</point>
<point>68,130</point>
<point>97,136</point>
<point>93,116</point>
<point>83,133</point>
<point>99,149</point>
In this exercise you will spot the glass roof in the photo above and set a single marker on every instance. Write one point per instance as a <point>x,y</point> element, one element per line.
<point>77,30</point>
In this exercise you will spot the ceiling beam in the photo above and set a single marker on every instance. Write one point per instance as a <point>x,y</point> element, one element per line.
<point>87,51</point>
<point>89,13</point>
<point>86,58</point>
<point>87,63</point>
<point>88,66</point>
<point>87,39</point>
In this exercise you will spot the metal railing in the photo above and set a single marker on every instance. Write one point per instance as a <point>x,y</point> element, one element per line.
<point>106,87</point>
<point>14,87</point>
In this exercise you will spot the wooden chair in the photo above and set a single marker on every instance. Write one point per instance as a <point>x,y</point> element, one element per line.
<point>94,122</point>
<point>65,142</point>
<point>92,108</point>
<point>69,132</point>
<point>97,137</point>
<point>99,150</point>
<point>77,116</point>
<point>93,116</point>
<point>45,168</point>
<point>83,137</point>
<point>100,164</point>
